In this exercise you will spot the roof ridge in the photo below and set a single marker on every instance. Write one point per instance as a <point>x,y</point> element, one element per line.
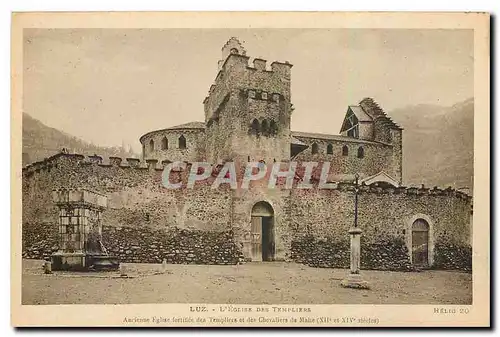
<point>370,106</point>
<point>196,125</point>
<point>186,124</point>
<point>332,137</point>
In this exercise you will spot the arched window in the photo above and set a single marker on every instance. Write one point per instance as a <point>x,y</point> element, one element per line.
<point>151,145</point>
<point>265,128</point>
<point>164,143</point>
<point>255,127</point>
<point>314,148</point>
<point>345,150</point>
<point>273,128</point>
<point>329,149</point>
<point>361,152</point>
<point>182,142</point>
<point>234,51</point>
<point>210,122</point>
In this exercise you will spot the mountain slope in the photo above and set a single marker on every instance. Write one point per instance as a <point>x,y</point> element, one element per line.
<point>438,144</point>
<point>41,141</point>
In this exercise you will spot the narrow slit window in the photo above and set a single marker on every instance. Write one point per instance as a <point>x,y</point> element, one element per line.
<point>273,128</point>
<point>329,149</point>
<point>265,128</point>
<point>314,148</point>
<point>182,142</point>
<point>361,152</point>
<point>345,150</point>
<point>255,127</point>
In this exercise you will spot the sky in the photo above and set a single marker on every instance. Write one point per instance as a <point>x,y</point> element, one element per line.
<point>110,86</point>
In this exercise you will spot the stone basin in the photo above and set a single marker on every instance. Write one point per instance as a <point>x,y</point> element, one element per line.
<point>104,262</point>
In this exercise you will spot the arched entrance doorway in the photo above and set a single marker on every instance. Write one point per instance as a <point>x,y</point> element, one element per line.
<point>262,232</point>
<point>420,243</point>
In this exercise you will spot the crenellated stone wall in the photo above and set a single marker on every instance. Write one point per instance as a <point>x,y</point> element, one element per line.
<point>386,216</point>
<point>310,225</point>
<point>135,194</point>
<point>242,93</point>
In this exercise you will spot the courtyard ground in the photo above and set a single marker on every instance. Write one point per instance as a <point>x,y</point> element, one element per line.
<point>252,283</point>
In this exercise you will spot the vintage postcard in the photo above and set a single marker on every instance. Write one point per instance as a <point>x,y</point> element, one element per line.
<point>250,169</point>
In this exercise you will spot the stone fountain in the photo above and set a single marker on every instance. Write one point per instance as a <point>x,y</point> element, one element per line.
<point>80,231</point>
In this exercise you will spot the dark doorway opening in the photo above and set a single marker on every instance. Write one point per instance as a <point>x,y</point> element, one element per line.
<point>267,239</point>
<point>262,232</point>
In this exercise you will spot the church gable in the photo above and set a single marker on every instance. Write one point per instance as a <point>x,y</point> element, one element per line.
<point>350,124</point>
<point>380,177</point>
<point>356,123</point>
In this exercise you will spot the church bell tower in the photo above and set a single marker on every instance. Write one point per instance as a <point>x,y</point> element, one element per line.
<point>248,109</point>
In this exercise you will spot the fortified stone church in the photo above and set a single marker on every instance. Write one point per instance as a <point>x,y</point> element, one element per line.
<point>248,113</point>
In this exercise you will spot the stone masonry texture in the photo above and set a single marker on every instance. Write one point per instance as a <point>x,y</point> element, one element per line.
<point>310,225</point>
<point>248,113</point>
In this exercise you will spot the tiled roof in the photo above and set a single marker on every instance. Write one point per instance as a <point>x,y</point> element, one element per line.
<point>323,136</point>
<point>185,126</point>
<point>360,113</point>
<point>375,111</point>
<point>190,125</point>
<point>295,141</point>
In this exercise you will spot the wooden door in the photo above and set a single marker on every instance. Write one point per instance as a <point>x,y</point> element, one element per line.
<point>420,247</point>
<point>256,239</point>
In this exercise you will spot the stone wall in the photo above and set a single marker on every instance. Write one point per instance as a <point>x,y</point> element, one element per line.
<point>39,240</point>
<point>237,74</point>
<point>145,245</point>
<point>240,94</point>
<point>397,155</point>
<point>387,254</point>
<point>452,256</point>
<point>176,246</point>
<point>377,156</point>
<point>135,194</point>
<point>382,212</point>
<point>220,132</point>
<point>279,200</point>
<point>321,220</point>
<point>194,151</point>
<point>137,200</point>
<point>262,146</point>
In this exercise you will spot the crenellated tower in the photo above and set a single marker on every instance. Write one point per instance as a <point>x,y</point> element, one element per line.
<point>248,109</point>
